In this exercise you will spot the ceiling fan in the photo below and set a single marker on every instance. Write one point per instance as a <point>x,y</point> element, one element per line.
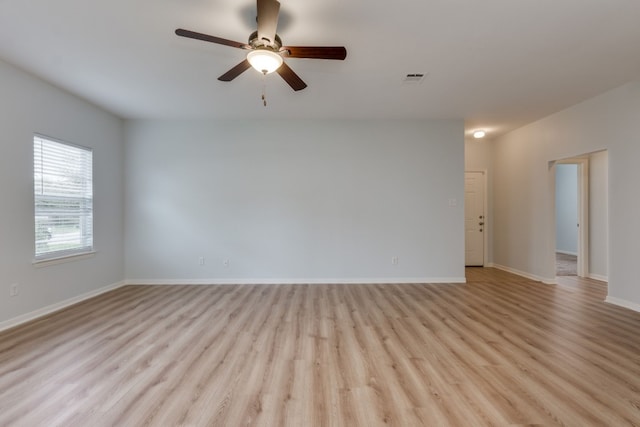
<point>266,52</point>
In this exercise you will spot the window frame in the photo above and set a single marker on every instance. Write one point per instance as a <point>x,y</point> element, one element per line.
<point>81,250</point>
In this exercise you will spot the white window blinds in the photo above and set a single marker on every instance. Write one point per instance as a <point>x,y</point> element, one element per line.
<point>63,189</point>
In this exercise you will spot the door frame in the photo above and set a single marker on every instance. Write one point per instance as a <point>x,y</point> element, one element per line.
<point>485,208</point>
<point>583,212</point>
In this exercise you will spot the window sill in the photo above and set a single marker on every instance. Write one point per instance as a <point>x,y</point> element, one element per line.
<point>62,259</point>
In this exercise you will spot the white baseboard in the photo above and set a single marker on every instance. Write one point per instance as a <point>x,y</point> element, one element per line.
<point>7,324</point>
<point>566,252</point>
<point>219,281</point>
<point>599,277</point>
<point>545,280</point>
<point>623,303</point>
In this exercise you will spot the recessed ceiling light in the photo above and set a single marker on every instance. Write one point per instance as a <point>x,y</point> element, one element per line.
<point>479,134</point>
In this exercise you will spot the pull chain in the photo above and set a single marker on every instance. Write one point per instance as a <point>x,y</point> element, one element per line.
<point>264,88</point>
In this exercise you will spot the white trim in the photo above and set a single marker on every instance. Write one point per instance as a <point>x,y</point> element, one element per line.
<point>16,321</point>
<point>623,303</point>
<point>62,259</point>
<point>545,280</point>
<point>558,251</point>
<point>599,277</point>
<point>257,281</point>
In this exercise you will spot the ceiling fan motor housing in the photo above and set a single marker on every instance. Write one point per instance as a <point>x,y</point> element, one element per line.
<point>257,43</point>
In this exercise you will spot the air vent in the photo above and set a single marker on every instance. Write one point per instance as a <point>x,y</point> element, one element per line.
<point>413,78</point>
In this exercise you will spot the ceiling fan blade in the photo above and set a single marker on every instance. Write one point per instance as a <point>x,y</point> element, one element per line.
<point>315,52</point>
<point>290,77</point>
<point>207,38</point>
<point>268,20</point>
<point>235,71</point>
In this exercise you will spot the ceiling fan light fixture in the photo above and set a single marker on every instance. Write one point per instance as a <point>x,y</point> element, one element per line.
<point>264,60</point>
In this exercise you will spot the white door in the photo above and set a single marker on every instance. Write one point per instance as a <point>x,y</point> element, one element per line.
<point>474,218</point>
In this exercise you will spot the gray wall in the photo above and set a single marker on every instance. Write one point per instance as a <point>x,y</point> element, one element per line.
<point>294,201</point>
<point>29,105</point>
<point>523,183</point>
<point>308,200</point>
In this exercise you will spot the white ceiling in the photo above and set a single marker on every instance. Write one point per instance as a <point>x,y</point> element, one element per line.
<point>497,64</point>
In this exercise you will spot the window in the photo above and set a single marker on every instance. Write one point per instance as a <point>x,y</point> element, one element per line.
<point>63,196</point>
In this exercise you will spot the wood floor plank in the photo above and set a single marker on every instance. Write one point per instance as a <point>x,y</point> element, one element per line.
<point>499,350</point>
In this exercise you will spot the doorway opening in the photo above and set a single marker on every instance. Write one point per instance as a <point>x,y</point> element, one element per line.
<point>567,219</point>
<point>572,217</point>
<point>581,216</point>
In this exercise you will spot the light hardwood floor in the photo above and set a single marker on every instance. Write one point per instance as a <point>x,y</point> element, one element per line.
<point>499,350</point>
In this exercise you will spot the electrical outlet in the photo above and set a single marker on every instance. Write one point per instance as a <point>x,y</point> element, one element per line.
<point>13,290</point>
<point>225,263</point>
<point>394,260</point>
<point>201,260</point>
